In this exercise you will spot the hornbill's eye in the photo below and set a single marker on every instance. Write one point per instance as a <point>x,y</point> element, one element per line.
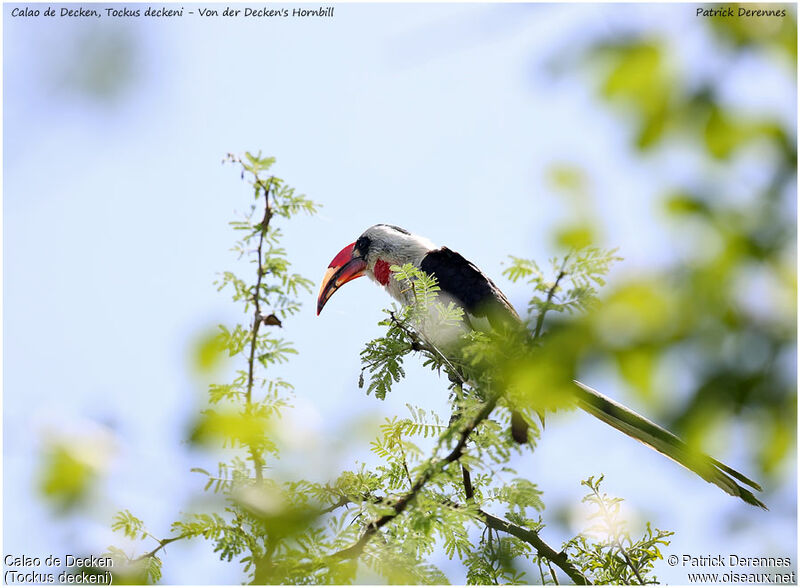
<point>362,245</point>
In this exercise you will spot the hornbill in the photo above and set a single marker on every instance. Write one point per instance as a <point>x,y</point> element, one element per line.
<point>485,307</point>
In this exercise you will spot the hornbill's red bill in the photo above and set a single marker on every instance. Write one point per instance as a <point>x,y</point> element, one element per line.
<point>382,246</point>
<point>346,266</point>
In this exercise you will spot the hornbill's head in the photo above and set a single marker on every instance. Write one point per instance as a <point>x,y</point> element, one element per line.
<point>372,254</point>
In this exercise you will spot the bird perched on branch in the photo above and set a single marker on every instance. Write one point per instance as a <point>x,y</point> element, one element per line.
<point>383,246</point>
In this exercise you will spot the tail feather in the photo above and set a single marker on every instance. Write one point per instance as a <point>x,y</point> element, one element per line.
<point>636,426</point>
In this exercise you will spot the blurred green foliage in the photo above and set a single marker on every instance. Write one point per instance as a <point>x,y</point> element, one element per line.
<point>71,466</point>
<point>208,352</point>
<point>100,63</point>
<point>725,306</point>
<point>66,478</point>
<point>775,34</point>
<point>570,182</point>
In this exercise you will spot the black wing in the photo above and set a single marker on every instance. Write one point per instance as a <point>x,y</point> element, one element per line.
<point>463,281</point>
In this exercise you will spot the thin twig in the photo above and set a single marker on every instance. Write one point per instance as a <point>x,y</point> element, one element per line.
<point>609,517</point>
<point>469,491</point>
<point>343,501</point>
<point>630,563</point>
<point>405,462</point>
<point>162,543</point>
<point>550,294</point>
<point>541,570</point>
<point>552,573</point>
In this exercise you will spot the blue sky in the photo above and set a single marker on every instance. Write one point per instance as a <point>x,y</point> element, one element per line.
<point>437,118</point>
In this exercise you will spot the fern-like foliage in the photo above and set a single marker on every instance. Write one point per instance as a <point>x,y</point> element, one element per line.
<point>606,548</point>
<point>571,286</point>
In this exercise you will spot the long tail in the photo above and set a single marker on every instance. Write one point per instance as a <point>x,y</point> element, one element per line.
<point>636,426</point>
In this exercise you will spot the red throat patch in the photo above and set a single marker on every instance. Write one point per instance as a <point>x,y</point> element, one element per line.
<point>382,272</point>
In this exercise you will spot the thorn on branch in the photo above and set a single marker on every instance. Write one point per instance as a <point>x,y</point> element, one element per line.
<point>162,543</point>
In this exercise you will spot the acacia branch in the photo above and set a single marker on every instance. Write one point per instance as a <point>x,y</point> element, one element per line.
<point>258,462</point>
<point>343,501</point>
<point>433,468</point>
<point>491,521</point>
<point>532,537</point>
<point>162,543</point>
